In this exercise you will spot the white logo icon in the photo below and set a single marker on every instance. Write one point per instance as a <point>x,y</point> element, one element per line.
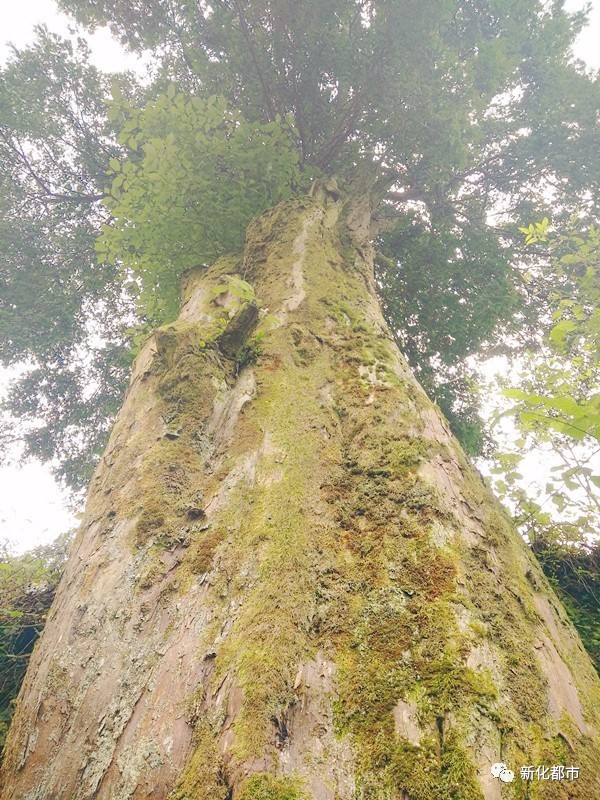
<point>501,771</point>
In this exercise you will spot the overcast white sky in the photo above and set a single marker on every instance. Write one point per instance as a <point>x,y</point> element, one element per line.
<point>18,19</point>
<point>32,506</point>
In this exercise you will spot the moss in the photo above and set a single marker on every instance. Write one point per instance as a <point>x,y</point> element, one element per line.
<point>569,748</point>
<point>203,778</point>
<point>510,618</point>
<point>152,518</point>
<point>248,354</point>
<point>405,642</point>
<point>186,368</point>
<point>173,478</point>
<point>203,549</point>
<point>150,574</point>
<point>419,772</point>
<point>478,628</point>
<point>413,770</point>
<point>169,496</point>
<point>397,632</point>
<point>264,786</point>
<point>402,636</point>
<point>269,638</point>
<point>500,611</point>
<point>459,776</point>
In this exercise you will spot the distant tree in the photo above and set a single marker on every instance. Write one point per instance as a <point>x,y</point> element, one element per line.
<point>27,588</point>
<point>557,411</point>
<point>60,313</point>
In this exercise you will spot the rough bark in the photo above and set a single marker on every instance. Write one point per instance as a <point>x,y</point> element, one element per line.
<point>290,582</point>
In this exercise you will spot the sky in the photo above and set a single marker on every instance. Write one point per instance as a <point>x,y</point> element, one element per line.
<point>587,48</point>
<point>33,509</point>
<point>17,21</point>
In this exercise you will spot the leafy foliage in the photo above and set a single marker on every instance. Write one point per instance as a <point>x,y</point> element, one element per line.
<point>444,296</point>
<point>196,174</point>
<point>27,587</point>
<point>558,400</point>
<point>573,567</point>
<point>60,312</point>
<point>558,413</point>
<point>422,83</point>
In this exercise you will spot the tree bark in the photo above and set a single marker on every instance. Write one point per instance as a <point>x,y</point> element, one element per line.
<point>290,582</point>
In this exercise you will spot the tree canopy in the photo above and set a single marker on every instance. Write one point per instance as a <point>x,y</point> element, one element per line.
<point>473,117</point>
<point>555,407</point>
<point>59,311</point>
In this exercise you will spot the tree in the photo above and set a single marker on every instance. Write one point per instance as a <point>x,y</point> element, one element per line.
<point>557,409</point>
<point>27,587</point>
<point>290,581</point>
<point>54,144</point>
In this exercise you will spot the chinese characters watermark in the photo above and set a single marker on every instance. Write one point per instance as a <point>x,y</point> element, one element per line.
<point>558,772</point>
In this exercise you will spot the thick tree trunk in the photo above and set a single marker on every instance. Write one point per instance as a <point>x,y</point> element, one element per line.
<point>290,582</point>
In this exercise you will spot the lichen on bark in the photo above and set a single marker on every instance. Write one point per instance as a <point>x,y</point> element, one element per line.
<point>290,582</point>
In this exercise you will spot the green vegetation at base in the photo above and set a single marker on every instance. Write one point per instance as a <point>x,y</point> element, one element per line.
<point>27,587</point>
<point>574,572</point>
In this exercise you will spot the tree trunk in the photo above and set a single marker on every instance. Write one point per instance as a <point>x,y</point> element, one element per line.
<point>290,582</point>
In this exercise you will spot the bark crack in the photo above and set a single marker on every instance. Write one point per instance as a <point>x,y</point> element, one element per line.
<point>293,302</point>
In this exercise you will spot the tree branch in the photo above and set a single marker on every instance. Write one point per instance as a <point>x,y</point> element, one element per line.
<point>246,32</point>
<point>48,196</point>
<point>339,136</point>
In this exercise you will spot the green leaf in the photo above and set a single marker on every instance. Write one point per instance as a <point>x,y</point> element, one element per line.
<point>559,332</point>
